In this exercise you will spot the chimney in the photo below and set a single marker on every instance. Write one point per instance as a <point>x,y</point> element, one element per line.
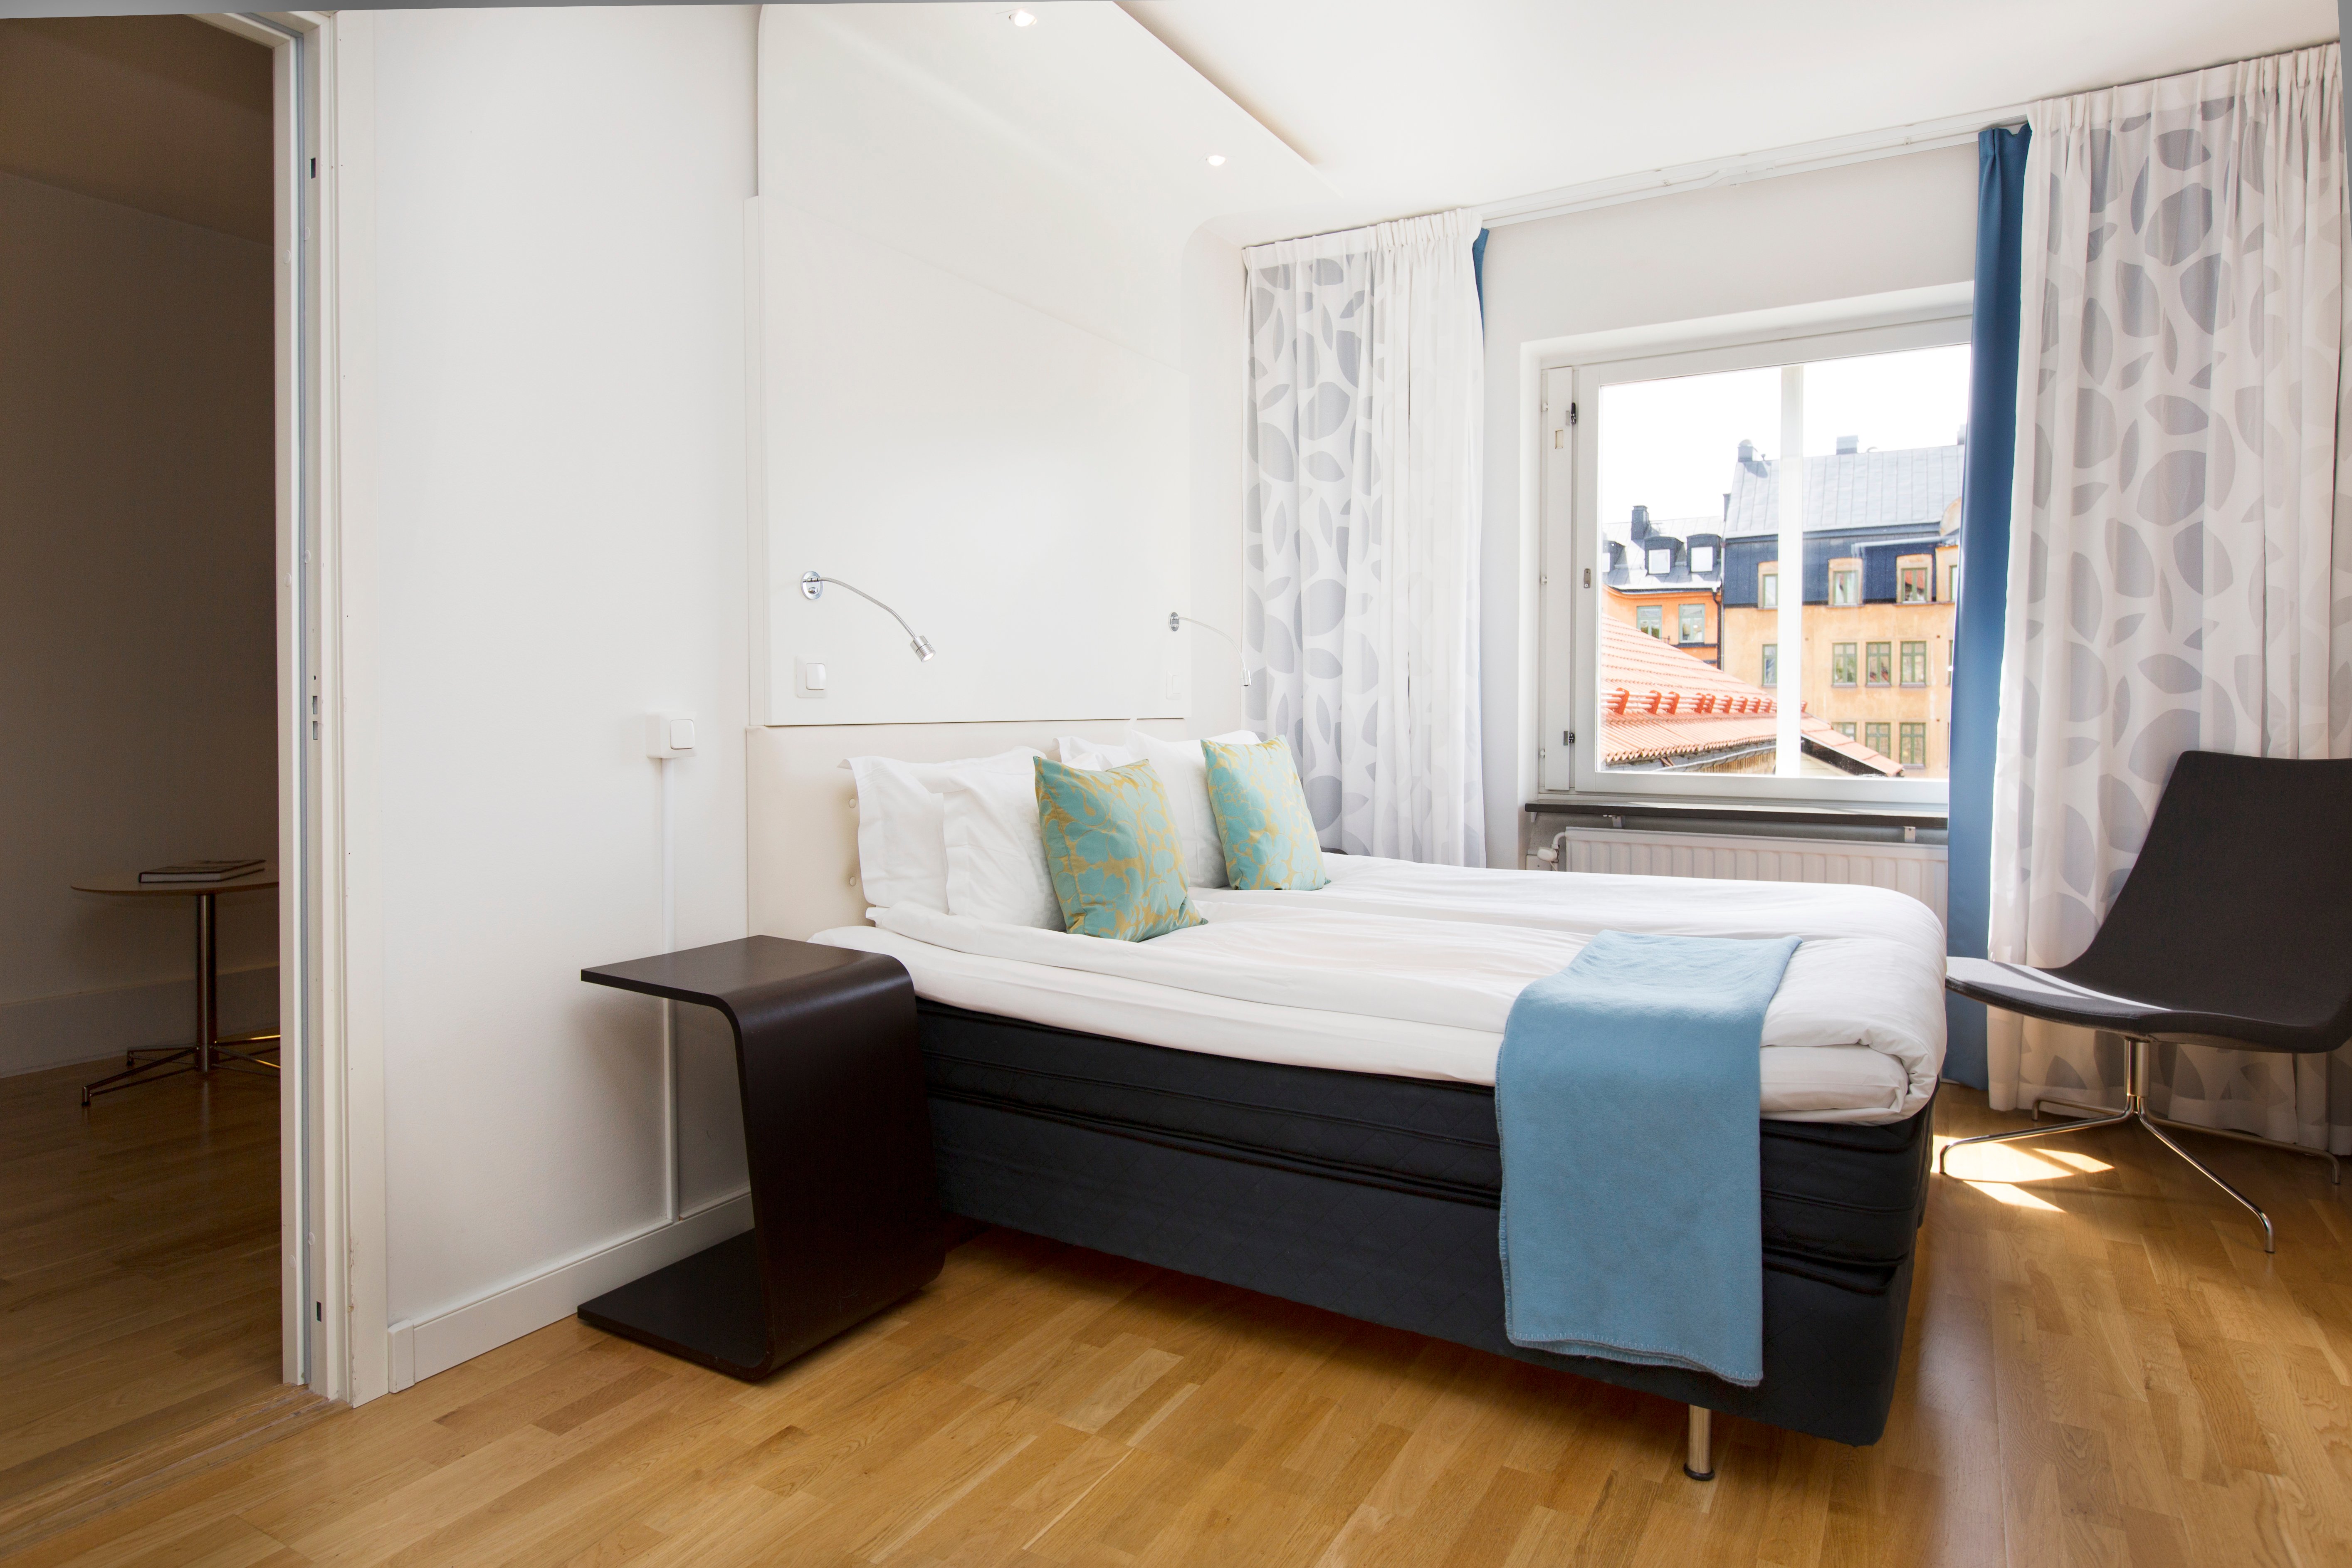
<point>1748,451</point>
<point>1849,445</point>
<point>1641,522</point>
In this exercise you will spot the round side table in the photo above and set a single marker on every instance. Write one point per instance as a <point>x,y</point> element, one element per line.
<point>211,1049</point>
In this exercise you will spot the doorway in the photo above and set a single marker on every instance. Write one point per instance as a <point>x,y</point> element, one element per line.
<point>155,504</point>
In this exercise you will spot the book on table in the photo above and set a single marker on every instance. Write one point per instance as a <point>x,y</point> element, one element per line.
<point>200,871</point>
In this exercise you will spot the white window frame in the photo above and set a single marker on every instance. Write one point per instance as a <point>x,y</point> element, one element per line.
<point>1569,374</point>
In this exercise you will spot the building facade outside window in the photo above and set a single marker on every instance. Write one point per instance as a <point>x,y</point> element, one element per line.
<point>1913,749</point>
<point>1681,520</point>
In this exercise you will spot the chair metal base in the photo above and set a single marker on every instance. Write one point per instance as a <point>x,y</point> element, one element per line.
<point>2135,1109</point>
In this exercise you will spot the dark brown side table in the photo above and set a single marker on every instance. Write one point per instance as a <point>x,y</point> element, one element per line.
<point>837,1135</point>
<point>211,1050</point>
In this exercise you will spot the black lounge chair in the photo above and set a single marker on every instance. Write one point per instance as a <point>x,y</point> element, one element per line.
<point>2234,929</point>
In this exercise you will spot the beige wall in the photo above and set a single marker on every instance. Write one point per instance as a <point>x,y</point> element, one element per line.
<point>136,507</point>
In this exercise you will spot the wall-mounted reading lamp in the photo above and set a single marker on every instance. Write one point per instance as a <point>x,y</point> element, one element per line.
<point>1176,623</point>
<point>812,587</point>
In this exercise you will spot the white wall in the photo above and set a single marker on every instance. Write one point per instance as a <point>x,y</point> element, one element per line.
<point>559,539</point>
<point>1866,228</point>
<point>136,516</point>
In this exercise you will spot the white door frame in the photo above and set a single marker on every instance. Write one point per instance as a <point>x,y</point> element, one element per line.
<point>332,1190</point>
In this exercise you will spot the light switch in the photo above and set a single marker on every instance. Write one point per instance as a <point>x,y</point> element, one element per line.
<point>681,734</point>
<point>809,677</point>
<point>813,677</point>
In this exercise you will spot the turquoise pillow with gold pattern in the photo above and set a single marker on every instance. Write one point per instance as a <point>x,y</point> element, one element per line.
<point>1262,817</point>
<point>1111,844</point>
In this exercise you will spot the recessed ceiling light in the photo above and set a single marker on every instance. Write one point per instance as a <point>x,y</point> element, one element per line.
<point>1216,160</point>
<point>1023,18</point>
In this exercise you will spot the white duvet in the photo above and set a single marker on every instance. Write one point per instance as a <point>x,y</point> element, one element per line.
<point>1408,969</point>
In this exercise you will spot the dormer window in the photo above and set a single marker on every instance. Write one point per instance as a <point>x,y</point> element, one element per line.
<point>1702,557</point>
<point>1661,563</point>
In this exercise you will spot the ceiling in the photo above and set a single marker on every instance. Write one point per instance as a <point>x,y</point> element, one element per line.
<point>1408,106</point>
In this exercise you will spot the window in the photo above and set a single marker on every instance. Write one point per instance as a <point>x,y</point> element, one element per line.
<point>1914,753</point>
<point>1874,737</point>
<point>1721,432</point>
<point>1915,582</point>
<point>1845,727</point>
<point>1915,664</point>
<point>1952,582</point>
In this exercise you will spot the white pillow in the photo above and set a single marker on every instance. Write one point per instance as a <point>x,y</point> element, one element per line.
<point>1093,755</point>
<point>901,827</point>
<point>1184,774</point>
<point>996,850</point>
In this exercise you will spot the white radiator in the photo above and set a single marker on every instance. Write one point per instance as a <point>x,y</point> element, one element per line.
<point>1917,870</point>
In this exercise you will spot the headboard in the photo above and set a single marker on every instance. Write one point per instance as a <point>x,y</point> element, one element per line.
<point>803,806</point>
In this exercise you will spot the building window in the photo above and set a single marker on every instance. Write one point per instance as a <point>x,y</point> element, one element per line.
<point>1691,430</point>
<point>1845,727</point>
<point>1874,737</point>
<point>1952,582</point>
<point>1915,664</point>
<point>1914,753</point>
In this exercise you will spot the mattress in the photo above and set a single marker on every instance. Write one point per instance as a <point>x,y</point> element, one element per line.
<point>1854,1034</point>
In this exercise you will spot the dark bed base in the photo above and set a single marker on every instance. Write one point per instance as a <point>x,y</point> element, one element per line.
<point>1376,1198</point>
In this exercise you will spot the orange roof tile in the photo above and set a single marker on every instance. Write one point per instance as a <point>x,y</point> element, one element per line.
<point>1661,704</point>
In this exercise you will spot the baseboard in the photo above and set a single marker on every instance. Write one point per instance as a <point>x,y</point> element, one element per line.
<point>44,1032</point>
<point>437,1343</point>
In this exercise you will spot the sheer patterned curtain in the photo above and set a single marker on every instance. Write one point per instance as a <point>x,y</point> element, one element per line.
<point>2182,561</point>
<point>1362,523</point>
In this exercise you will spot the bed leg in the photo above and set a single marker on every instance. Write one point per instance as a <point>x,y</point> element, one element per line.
<point>1698,1463</point>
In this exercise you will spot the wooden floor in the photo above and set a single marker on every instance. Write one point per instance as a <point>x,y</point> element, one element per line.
<point>2105,1369</point>
<point>139,1285</point>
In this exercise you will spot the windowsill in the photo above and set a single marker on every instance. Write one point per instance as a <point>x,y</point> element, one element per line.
<point>1760,818</point>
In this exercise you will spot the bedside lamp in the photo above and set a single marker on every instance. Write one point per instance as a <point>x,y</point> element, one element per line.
<point>812,587</point>
<point>1176,623</point>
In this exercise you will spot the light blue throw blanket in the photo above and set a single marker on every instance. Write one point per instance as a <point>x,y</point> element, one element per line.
<point>1627,1095</point>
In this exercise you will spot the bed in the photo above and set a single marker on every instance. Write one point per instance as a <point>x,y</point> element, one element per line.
<point>1297,1098</point>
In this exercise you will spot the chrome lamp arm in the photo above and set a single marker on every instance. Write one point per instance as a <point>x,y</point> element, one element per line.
<point>1177,622</point>
<point>812,587</point>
